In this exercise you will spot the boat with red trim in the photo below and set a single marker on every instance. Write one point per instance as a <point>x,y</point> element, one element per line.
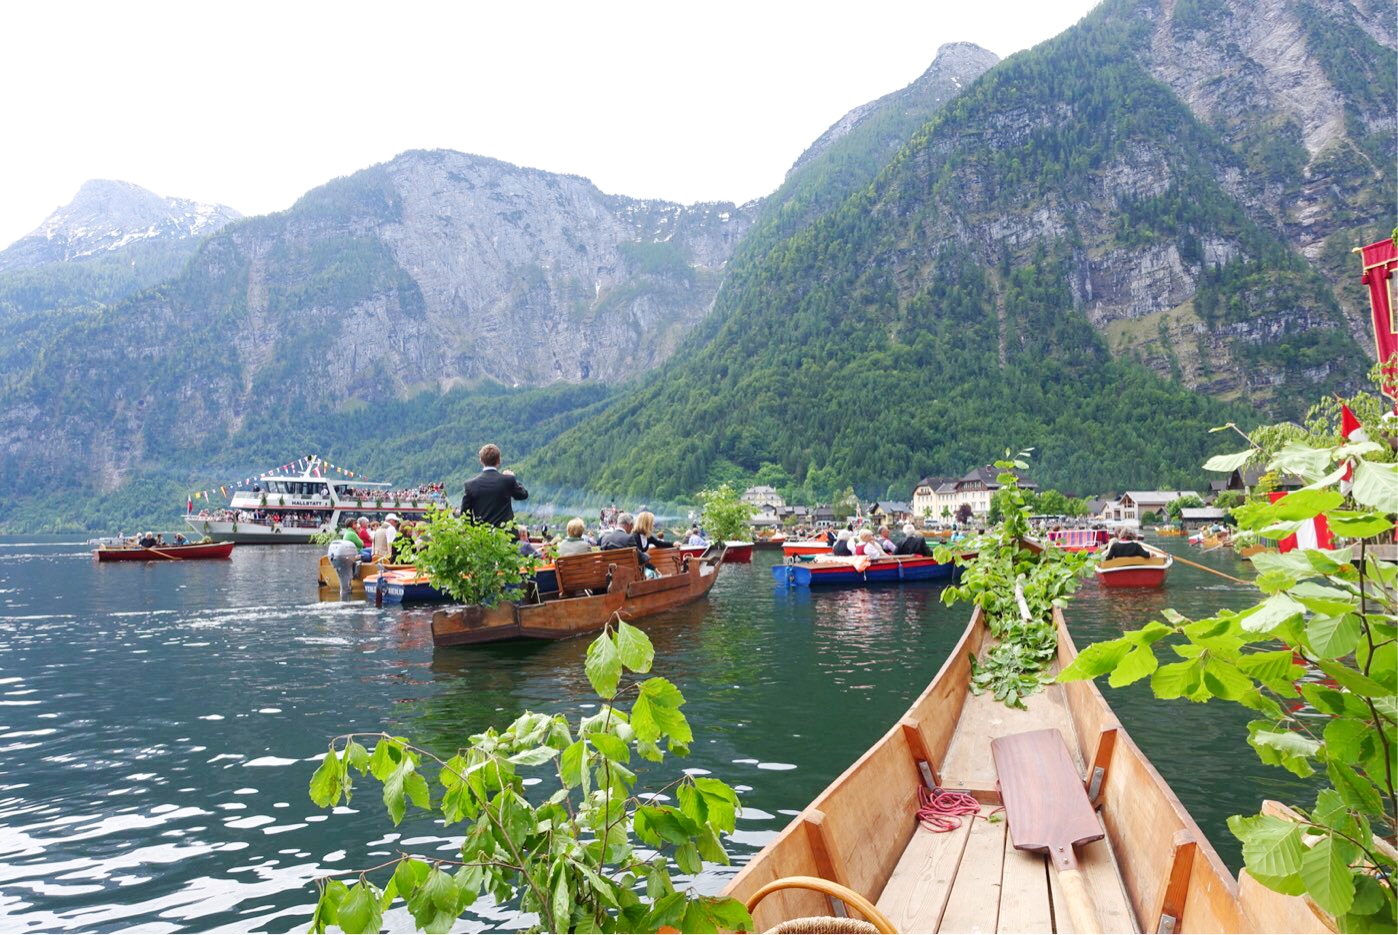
<point>805,547</point>
<point>1079,540</point>
<point>837,571</point>
<point>163,553</point>
<point>736,552</point>
<point>1135,572</point>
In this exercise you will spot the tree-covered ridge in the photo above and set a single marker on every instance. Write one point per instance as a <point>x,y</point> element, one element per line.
<point>947,310</point>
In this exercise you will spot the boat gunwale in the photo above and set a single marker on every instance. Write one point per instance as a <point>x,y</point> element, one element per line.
<point>1091,717</point>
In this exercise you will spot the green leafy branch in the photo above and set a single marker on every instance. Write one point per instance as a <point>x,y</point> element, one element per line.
<point>1017,589</point>
<point>1317,657</point>
<point>594,856</point>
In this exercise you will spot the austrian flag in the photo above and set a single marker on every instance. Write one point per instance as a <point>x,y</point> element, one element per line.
<point>1353,433</point>
<point>1313,533</point>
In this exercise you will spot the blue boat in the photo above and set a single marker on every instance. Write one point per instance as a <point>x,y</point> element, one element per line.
<point>403,587</point>
<point>829,571</point>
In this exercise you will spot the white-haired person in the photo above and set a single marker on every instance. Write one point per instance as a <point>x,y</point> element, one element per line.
<point>574,543</point>
<point>912,544</point>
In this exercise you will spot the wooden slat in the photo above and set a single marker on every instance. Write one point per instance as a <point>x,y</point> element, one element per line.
<point>967,764</point>
<point>974,903</point>
<point>1177,889</point>
<point>1025,905</point>
<point>830,863</point>
<point>588,572</point>
<point>912,730</point>
<point>917,891</point>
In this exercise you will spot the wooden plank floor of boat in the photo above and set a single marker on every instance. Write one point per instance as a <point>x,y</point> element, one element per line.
<point>973,879</point>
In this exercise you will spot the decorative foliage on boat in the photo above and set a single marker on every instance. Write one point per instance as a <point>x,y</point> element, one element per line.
<point>725,514</point>
<point>1017,589</point>
<point>591,856</point>
<point>473,562</point>
<point>1317,657</point>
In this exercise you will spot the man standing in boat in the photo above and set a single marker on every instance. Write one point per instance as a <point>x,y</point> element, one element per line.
<point>488,494</point>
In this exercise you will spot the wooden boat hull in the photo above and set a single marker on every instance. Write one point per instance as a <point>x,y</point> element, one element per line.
<point>850,573</point>
<point>771,543</point>
<point>632,596</point>
<point>805,547</point>
<point>1113,575</point>
<point>1155,870</point>
<point>165,553</point>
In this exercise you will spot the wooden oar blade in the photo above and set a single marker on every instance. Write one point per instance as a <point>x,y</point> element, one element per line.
<point>1045,804</point>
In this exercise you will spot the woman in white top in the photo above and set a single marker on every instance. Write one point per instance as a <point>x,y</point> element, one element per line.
<point>868,545</point>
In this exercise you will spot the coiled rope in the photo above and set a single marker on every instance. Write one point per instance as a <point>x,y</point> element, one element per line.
<point>939,810</point>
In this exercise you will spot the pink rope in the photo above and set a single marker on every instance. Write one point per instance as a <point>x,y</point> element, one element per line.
<point>939,810</point>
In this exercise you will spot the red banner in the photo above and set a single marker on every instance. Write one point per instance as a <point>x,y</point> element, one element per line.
<point>1313,534</point>
<point>1380,259</point>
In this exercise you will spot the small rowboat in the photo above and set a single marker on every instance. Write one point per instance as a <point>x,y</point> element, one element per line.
<point>836,571</point>
<point>860,845</point>
<point>1135,572</point>
<point>805,547</point>
<point>736,552</point>
<point>769,542</point>
<point>164,553</point>
<point>405,586</point>
<point>1168,531</point>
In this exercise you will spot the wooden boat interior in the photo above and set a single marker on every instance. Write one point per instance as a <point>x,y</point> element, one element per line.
<point>1153,870</point>
<point>1135,561</point>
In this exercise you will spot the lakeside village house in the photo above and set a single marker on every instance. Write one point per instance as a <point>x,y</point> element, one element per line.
<point>941,499</point>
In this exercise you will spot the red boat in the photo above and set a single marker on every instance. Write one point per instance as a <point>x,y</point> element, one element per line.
<point>164,553</point>
<point>1135,572</point>
<point>738,553</point>
<point>805,547</point>
<point>1079,540</point>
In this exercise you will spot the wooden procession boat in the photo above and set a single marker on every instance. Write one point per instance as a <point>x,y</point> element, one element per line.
<point>592,589</point>
<point>1168,531</point>
<point>404,583</point>
<point>1079,540</point>
<point>805,547</point>
<point>765,543</point>
<point>1248,551</point>
<point>328,580</point>
<point>736,552</point>
<point>163,553</point>
<point>859,843</point>
<point>837,571</point>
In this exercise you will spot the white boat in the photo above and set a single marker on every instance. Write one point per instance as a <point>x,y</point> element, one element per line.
<point>289,508</point>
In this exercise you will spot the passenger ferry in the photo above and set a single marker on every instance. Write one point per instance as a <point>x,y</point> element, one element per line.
<point>288,508</point>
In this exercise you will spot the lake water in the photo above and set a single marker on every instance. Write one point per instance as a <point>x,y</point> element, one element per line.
<point>159,723</point>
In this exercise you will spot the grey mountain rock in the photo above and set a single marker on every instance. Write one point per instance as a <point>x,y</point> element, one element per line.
<point>106,216</point>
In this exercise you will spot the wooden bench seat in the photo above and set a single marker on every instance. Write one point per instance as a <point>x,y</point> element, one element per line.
<point>667,561</point>
<point>591,571</point>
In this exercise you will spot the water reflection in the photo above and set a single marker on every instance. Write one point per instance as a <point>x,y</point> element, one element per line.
<point>160,723</point>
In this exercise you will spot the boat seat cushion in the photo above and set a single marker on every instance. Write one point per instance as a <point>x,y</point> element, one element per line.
<point>588,572</point>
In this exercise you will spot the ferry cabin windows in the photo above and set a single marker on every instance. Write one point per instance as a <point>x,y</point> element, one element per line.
<point>294,488</point>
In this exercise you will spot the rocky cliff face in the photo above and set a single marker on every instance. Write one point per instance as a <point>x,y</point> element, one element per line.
<point>106,216</point>
<point>430,271</point>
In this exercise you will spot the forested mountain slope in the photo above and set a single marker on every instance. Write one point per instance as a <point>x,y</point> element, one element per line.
<point>1065,221</point>
<point>429,272</point>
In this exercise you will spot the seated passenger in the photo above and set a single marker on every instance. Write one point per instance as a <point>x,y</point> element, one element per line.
<point>525,546</point>
<point>645,526</point>
<point>624,537</point>
<point>1125,546</point>
<point>180,539</point>
<point>912,543</point>
<point>841,545</point>
<point>147,540</point>
<point>575,544</point>
<point>884,541</point>
<point>868,546</point>
<point>694,538</point>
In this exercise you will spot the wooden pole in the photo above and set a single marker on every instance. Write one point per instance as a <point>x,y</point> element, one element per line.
<point>1212,571</point>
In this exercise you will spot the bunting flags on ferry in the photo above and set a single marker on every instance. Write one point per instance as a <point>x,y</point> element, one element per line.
<point>310,463</point>
<point>1380,260</point>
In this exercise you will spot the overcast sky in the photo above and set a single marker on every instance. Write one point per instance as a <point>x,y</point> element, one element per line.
<point>252,104</point>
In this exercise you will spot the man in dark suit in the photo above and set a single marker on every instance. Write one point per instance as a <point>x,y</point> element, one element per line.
<point>912,543</point>
<point>488,494</point>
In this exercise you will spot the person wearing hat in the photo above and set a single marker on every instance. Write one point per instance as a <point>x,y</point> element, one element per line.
<point>391,523</point>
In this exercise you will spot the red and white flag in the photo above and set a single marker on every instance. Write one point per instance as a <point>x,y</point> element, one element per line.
<point>1352,432</point>
<point>1313,533</point>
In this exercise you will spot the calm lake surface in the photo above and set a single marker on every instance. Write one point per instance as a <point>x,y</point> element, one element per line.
<point>159,723</point>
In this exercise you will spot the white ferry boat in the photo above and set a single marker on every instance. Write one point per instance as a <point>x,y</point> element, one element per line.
<point>287,508</point>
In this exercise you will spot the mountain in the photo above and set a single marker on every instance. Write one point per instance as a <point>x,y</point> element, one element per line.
<point>1074,254</point>
<point>433,271</point>
<point>107,216</point>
